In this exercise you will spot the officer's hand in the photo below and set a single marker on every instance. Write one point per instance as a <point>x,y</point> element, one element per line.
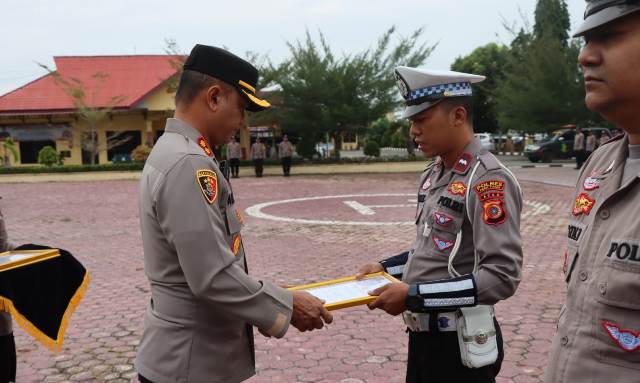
<point>391,298</point>
<point>309,312</point>
<point>369,268</point>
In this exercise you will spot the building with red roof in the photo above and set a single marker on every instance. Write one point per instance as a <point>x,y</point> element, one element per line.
<point>41,113</point>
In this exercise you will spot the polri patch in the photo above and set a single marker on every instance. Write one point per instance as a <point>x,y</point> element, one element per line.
<point>628,340</point>
<point>494,212</point>
<point>208,182</point>
<point>624,250</point>
<point>457,188</point>
<point>202,143</point>
<point>442,244</point>
<point>451,204</point>
<point>583,204</point>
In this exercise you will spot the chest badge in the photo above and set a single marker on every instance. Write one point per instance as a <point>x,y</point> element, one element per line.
<point>463,163</point>
<point>443,219</point>
<point>205,146</point>
<point>442,244</point>
<point>583,204</point>
<point>208,183</point>
<point>591,183</point>
<point>427,184</point>
<point>457,188</point>
<point>628,340</point>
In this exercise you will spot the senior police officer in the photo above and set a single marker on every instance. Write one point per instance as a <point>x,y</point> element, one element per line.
<point>7,341</point>
<point>468,250</point>
<point>598,336</point>
<point>199,323</point>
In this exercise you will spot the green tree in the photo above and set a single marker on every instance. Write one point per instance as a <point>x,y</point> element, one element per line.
<point>322,94</point>
<point>489,60</point>
<point>552,21</point>
<point>9,149</point>
<point>542,87</point>
<point>48,156</point>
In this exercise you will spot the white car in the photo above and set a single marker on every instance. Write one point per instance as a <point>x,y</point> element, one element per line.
<point>486,141</point>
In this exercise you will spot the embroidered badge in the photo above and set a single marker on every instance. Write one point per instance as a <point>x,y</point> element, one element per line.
<point>628,340</point>
<point>442,244</point>
<point>451,204</point>
<point>443,322</point>
<point>494,213</point>
<point>463,163</point>
<point>208,182</point>
<point>427,184</point>
<point>486,186</point>
<point>491,195</point>
<point>591,183</point>
<point>205,146</point>
<point>235,246</point>
<point>583,204</point>
<point>443,219</point>
<point>457,188</point>
<point>239,216</point>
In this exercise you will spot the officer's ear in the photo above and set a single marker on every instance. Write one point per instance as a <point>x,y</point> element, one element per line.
<point>214,96</point>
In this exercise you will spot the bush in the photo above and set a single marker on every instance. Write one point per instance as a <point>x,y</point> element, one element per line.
<point>140,153</point>
<point>306,148</point>
<point>48,156</point>
<point>372,149</point>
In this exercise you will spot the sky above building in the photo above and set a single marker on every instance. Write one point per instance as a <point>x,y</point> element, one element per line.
<point>33,31</point>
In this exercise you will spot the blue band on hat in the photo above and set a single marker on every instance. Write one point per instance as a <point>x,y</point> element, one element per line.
<point>444,90</point>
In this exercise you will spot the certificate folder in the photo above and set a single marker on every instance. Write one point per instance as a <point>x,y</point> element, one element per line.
<point>20,258</point>
<point>347,292</point>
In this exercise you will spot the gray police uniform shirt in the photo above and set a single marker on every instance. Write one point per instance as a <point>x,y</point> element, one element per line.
<point>598,336</point>
<point>5,318</point>
<point>493,231</point>
<point>234,151</point>
<point>203,302</point>
<point>258,151</point>
<point>285,149</point>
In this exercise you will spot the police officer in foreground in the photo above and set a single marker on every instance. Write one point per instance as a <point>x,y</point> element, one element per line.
<point>467,254</point>
<point>598,336</point>
<point>204,304</point>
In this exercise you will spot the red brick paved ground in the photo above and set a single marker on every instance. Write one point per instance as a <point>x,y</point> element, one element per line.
<point>98,222</point>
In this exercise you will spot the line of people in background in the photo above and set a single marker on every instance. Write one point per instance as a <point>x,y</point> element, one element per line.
<point>585,144</point>
<point>258,153</point>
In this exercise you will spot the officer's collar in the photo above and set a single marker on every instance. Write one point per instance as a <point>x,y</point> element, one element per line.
<point>175,125</point>
<point>468,156</point>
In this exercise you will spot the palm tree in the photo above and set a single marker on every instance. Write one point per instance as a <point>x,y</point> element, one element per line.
<point>9,147</point>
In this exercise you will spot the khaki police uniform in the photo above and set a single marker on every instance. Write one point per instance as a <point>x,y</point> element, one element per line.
<point>285,151</point>
<point>234,152</point>
<point>258,154</point>
<point>198,326</point>
<point>7,342</point>
<point>598,337</point>
<point>484,236</point>
<point>5,318</point>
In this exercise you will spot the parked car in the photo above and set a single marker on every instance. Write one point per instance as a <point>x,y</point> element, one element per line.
<point>559,145</point>
<point>486,141</point>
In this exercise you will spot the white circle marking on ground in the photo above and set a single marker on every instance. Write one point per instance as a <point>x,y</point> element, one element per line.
<point>256,211</point>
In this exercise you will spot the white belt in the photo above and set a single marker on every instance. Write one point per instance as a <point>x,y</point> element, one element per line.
<point>419,322</point>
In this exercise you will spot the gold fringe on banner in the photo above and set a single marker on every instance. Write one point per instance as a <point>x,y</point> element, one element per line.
<point>54,345</point>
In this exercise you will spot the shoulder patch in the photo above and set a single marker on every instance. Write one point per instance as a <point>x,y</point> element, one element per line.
<point>494,212</point>
<point>205,146</point>
<point>207,180</point>
<point>464,163</point>
<point>491,185</point>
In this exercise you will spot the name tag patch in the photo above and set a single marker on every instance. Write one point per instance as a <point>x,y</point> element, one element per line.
<point>624,250</point>
<point>575,231</point>
<point>451,204</point>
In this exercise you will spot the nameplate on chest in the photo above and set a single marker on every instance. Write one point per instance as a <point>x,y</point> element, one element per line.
<point>451,204</point>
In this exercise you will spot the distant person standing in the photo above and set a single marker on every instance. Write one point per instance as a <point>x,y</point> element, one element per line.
<point>285,151</point>
<point>234,153</point>
<point>591,144</point>
<point>604,138</point>
<point>578,148</point>
<point>258,154</point>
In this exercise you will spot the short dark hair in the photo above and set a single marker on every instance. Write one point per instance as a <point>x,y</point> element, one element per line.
<point>192,83</point>
<point>465,102</point>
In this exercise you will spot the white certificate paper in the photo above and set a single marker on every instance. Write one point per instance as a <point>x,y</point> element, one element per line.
<point>346,291</point>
